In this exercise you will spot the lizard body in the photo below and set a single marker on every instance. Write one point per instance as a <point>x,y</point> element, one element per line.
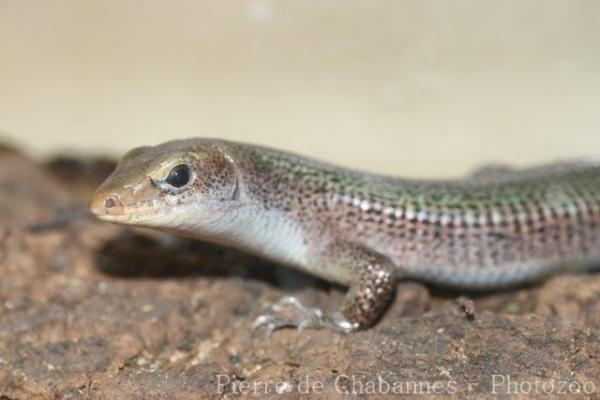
<point>496,228</point>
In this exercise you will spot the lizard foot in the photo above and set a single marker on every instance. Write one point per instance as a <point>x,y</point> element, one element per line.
<point>288,312</point>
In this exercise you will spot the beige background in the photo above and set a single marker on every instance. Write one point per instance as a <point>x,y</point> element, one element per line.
<point>410,87</point>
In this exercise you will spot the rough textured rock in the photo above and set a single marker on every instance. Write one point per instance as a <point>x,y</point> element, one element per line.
<point>91,310</point>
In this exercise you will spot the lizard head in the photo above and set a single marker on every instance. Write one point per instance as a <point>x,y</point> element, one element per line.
<point>168,185</point>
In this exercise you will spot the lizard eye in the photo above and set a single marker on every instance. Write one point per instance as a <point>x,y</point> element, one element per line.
<point>179,176</point>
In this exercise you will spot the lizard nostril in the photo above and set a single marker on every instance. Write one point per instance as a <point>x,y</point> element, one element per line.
<point>103,204</point>
<point>111,201</point>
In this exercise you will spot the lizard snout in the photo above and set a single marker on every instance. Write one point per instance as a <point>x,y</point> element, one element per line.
<point>106,204</point>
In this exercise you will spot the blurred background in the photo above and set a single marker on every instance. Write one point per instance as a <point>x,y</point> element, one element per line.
<point>423,88</point>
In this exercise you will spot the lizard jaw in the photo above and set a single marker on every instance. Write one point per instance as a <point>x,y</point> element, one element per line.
<point>110,208</point>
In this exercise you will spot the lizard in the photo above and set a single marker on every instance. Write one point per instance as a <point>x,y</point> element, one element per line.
<point>494,229</point>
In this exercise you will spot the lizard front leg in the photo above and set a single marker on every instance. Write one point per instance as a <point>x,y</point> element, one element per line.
<point>371,280</point>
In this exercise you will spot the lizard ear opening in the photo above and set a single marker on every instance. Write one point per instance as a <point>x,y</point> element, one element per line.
<point>235,195</point>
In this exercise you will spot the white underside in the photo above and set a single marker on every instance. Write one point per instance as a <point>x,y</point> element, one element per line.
<point>478,277</point>
<point>261,232</point>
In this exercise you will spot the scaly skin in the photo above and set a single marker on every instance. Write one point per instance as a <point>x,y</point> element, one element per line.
<point>496,228</point>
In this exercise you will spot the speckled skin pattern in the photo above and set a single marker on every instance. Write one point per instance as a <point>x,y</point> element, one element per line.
<point>495,228</point>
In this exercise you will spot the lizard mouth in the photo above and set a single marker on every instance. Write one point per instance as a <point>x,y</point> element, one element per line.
<point>109,207</point>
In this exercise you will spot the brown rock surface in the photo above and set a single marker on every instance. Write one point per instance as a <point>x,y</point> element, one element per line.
<point>91,310</point>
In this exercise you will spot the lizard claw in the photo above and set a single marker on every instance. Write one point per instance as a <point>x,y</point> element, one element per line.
<point>287,312</point>
<point>301,317</point>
